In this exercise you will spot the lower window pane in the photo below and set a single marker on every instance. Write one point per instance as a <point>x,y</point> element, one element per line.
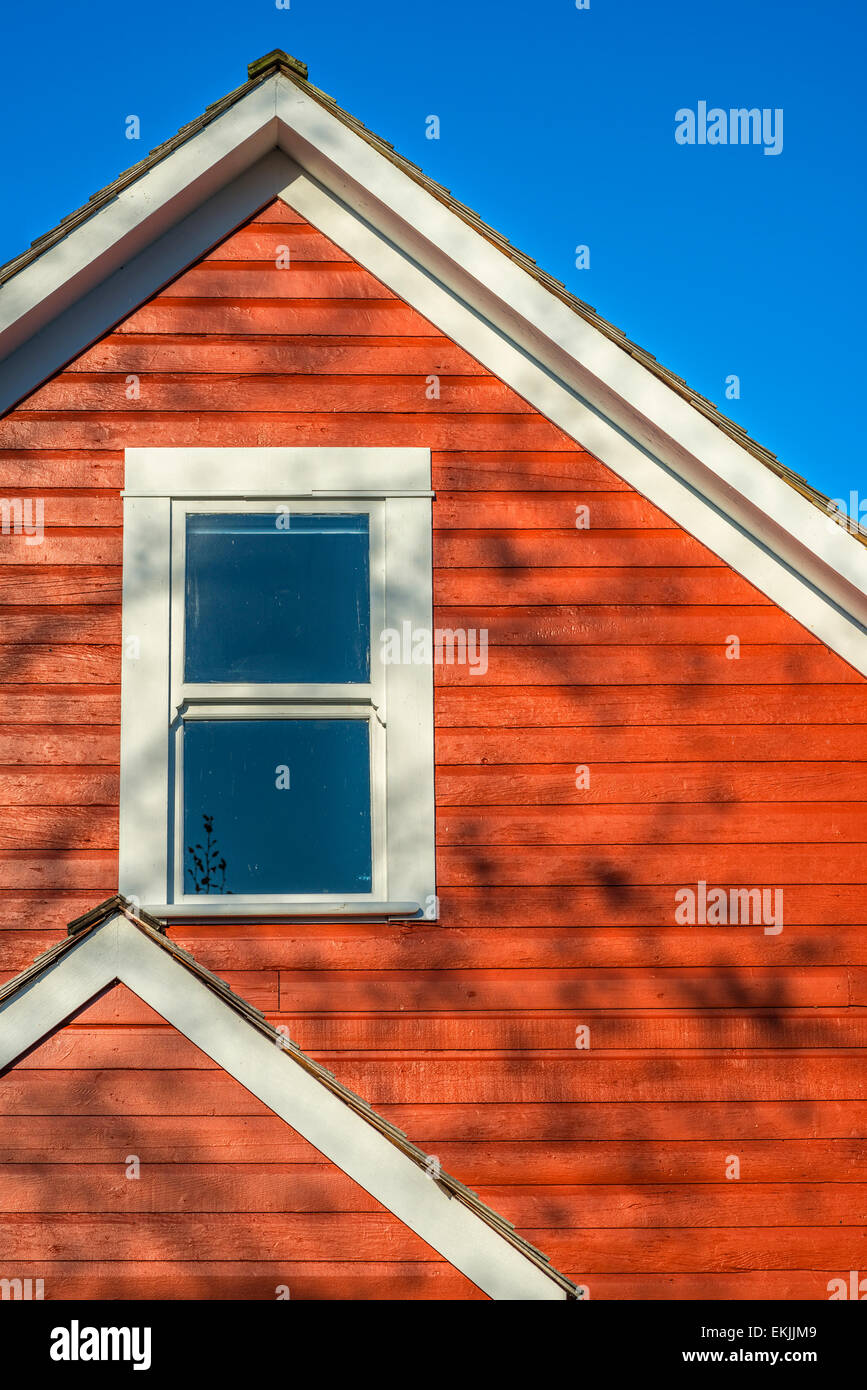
<point>277,806</point>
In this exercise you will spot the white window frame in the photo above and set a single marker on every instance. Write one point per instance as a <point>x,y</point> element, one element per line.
<point>163,486</point>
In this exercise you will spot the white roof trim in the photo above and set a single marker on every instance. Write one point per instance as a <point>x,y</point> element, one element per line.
<point>164,194</point>
<point>119,951</point>
<point>570,370</point>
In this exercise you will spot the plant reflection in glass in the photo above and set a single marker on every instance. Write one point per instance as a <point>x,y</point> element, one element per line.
<point>209,867</point>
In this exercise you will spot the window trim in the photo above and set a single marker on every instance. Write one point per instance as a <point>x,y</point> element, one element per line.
<point>162,486</point>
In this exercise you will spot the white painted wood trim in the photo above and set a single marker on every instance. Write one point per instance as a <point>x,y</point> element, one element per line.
<point>57,992</point>
<point>275,472</point>
<point>409,708</point>
<point>513,300</point>
<point>563,365</point>
<point>144,702</point>
<point>118,950</point>
<point>398,699</point>
<point>105,295</point>
<point>172,189</point>
<point>766,531</point>
<point>279,912</point>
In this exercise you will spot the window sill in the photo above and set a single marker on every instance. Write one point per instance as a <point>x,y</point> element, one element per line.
<point>286,912</point>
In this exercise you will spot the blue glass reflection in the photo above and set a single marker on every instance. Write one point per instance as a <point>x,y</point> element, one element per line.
<point>277,806</point>
<point>277,597</point>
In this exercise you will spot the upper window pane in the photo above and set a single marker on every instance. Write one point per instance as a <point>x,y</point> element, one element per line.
<point>282,597</point>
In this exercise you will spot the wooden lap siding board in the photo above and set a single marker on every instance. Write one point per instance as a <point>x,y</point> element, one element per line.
<point>229,1201</point>
<point>607,649</point>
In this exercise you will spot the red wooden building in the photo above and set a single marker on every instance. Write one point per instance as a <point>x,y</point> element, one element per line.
<point>472,720</point>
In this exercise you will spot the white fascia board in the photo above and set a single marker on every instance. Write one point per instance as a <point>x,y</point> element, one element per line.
<point>724,525</point>
<point>173,188</point>
<point>275,472</point>
<point>54,995</point>
<point>571,371</point>
<point>119,951</point>
<point>88,317</point>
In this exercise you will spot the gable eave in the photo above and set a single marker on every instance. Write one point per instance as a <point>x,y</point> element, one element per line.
<point>610,378</point>
<point>142,208</point>
<point>701,470</point>
<point>114,944</point>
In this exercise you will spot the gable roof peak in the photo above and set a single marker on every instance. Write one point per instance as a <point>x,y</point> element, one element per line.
<point>278,135</point>
<point>116,903</point>
<point>276,61</point>
<point>116,943</point>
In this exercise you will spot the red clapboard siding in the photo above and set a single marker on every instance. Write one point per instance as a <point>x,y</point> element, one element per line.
<point>505,947</point>
<point>578,989</point>
<point>502,948</point>
<point>541,1030</point>
<point>269,242</point>
<point>179,1140</point>
<point>589,1140</point>
<point>730,823</point>
<point>49,786</point>
<point>128,1044</point>
<point>174,391</point>
<point>316,1189</point>
<point>530,471</point>
<point>71,546</point>
<point>637,665</point>
<point>723,751</point>
<point>654,547</point>
<point>211,1280</point>
<point>589,585</point>
<point>298,356</point>
<point>621,903</point>
<point>56,744</point>
<point>716,863</point>
<point>208,1280</point>
<point>240,318</point>
<point>550,707</point>
<point>607,652</point>
<point>35,664</point>
<point>715,788</point>
<point>62,469</point>
<point>336,1236</point>
<point>131,428</point>
<point>291,1207</point>
<point>62,584</point>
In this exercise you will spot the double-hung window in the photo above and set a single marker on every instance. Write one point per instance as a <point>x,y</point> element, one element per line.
<point>276,759</point>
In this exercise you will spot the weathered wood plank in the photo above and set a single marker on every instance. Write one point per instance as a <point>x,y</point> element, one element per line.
<point>769,987</point>
<point>62,584</point>
<point>255,1279</point>
<point>781,822</point>
<point>669,662</point>
<point>591,584</point>
<point>663,783</point>
<point>586,706</point>
<point>176,391</point>
<point>354,356</point>
<point>497,1142</point>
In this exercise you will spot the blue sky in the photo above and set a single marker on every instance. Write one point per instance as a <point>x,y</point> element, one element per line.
<point>557,125</point>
